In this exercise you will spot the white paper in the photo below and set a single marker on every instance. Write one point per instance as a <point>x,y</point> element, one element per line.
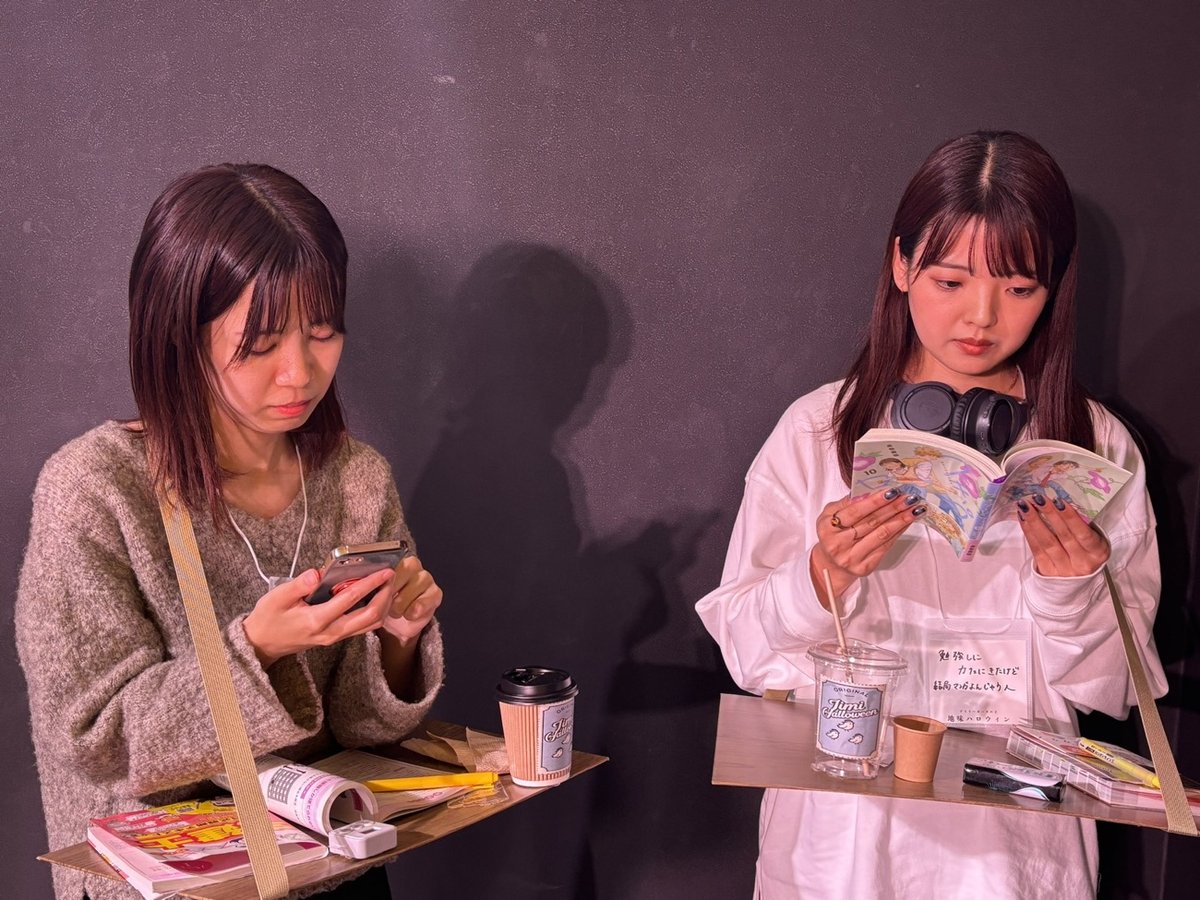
<point>978,679</point>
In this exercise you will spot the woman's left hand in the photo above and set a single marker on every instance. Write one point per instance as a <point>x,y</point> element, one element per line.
<point>415,598</point>
<point>1064,544</point>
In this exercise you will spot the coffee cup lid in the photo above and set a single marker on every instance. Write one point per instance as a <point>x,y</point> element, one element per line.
<point>858,654</point>
<point>535,684</point>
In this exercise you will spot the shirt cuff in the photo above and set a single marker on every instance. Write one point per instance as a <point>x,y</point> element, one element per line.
<point>798,605</point>
<point>280,705</point>
<point>1060,597</point>
<point>363,711</point>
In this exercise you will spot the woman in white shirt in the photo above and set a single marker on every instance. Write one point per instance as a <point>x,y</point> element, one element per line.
<point>977,290</point>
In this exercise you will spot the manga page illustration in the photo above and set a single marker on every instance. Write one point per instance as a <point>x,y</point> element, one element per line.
<point>1086,482</point>
<point>950,486</point>
<point>965,491</point>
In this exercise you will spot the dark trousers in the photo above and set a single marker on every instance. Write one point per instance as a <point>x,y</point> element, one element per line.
<point>371,885</point>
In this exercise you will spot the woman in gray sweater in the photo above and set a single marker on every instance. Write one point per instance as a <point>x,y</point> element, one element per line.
<point>237,294</point>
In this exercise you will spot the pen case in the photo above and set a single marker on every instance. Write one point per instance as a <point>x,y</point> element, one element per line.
<point>1009,778</point>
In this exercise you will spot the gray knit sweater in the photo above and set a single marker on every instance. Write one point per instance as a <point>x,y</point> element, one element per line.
<point>119,714</point>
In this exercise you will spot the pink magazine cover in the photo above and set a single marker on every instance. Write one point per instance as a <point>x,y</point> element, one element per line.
<point>170,848</point>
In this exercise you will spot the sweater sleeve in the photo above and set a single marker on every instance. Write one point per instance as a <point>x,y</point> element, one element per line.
<point>766,613</point>
<point>1080,646</point>
<point>361,708</point>
<point>105,691</point>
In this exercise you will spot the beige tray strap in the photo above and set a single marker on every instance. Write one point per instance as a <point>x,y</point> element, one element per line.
<point>1179,813</point>
<point>265,859</point>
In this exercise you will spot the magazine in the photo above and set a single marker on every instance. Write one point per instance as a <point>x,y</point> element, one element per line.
<point>359,766</point>
<point>1063,755</point>
<point>172,848</point>
<point>330,791</point>
<point>965,491</point>
<point>183,845</point>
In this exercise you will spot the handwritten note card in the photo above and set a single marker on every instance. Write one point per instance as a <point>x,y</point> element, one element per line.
<point>978,680</point>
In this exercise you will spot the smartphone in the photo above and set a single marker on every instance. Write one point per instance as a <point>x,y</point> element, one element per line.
<point>347,565</point>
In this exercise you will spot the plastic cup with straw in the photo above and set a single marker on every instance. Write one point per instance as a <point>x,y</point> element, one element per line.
<point>854,693</point>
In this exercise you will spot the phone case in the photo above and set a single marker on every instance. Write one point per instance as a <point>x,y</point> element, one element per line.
<point>348,564</point>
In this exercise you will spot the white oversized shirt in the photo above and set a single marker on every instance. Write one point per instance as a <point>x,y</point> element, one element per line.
<point>766,614</point>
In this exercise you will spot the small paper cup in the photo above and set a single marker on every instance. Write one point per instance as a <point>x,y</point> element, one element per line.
<point>918,743</point>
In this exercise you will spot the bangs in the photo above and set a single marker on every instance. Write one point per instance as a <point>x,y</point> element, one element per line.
<point>300,280</point>
<point>1013,243</point>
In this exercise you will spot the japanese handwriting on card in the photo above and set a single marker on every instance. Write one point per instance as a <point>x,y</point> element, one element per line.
<point>978,680</point>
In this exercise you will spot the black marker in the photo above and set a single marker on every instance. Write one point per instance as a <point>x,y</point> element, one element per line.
<point>1009,778</point>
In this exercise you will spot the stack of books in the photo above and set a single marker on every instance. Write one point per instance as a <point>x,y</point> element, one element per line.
<point>1125,782</point>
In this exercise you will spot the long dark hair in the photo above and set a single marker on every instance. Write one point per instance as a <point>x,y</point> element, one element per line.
<point>207,236</point>
<point>1009,183</point>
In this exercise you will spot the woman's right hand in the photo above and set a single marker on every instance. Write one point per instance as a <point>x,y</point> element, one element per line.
<point>854,535</point>
<point>281,623</point>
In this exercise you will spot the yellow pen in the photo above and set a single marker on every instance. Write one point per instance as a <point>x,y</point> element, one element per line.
<point>1120,763</point>
<point>427,782</point>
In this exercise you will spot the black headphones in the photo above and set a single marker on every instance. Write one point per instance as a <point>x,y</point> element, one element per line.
<point>983,419</point>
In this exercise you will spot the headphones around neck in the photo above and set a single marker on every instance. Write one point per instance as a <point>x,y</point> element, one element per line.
<point>985,420</point>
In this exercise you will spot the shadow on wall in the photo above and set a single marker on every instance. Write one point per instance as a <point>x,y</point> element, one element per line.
<point>535,341</point>
<point>1098,298</point>
<point>1169,475</point>
<point>1172,447</point>
<point>1166,445</point>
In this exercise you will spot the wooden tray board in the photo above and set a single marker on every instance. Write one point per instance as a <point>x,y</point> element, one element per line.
<point>412,831</point>
<point>771,744</point>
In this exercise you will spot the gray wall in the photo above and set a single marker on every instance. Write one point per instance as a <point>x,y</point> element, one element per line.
<point>597,248</point>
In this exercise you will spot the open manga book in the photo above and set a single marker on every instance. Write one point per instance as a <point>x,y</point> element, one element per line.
<point>966,491</point>
<point>183,845</point>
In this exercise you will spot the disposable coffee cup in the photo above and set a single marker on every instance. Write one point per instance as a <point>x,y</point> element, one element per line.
<point>855,685</point>
<point>537,710</point>
<point>918,743</point>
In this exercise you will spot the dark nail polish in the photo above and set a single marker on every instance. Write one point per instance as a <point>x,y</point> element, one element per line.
<point>911,499</point>
<point>1022,506</point>
<point>891,493</point>
<point>1058,504</point>
<point>919,511</point>
<point>1039,499</point>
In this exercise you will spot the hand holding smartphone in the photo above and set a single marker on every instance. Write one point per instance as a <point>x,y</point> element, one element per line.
<point>348,564</point>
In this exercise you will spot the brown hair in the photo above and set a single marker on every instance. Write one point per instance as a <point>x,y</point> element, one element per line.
<point>207,236</point>
<point>1008,182</point>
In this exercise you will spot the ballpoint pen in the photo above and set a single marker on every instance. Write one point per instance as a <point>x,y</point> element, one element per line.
<point>427,782</point>
<point>1120,763</point>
